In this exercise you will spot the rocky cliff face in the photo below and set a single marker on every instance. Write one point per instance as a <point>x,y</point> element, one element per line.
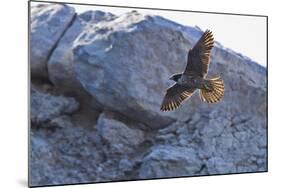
<point>97,83</point>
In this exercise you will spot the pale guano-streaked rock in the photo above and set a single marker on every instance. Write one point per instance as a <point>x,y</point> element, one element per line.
<point>48,22</point>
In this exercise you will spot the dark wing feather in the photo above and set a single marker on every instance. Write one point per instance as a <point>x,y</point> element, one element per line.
<point>199,55</point>
<point>175,95</point>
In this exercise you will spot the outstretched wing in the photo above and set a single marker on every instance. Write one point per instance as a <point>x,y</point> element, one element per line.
<point>199,55</point>
<point>175,95</point>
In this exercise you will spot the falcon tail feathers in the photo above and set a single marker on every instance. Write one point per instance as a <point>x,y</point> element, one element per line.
<point>214,91</point>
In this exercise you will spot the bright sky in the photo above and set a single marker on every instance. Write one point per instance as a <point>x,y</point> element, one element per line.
<point>243,34</point>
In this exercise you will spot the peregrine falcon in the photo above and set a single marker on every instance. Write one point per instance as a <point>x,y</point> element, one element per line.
<point>211,90</point>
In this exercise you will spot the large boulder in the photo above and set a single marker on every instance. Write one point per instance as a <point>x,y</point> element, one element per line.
<point>124,63</point>
<point>48,22</point>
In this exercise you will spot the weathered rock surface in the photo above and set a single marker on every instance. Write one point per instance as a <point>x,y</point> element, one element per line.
<point>120,137</point>
<point>61,60</point>
<point>58,158</point>
<point>45,107</point>
<point>71,153</point>
<point>170,161</point>
<point>47,25</point>
<point>117,69</point>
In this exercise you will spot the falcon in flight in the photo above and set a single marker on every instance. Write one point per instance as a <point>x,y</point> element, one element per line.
<point>211,90</point>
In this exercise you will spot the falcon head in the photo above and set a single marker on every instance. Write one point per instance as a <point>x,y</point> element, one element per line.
<point>175,77</point>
